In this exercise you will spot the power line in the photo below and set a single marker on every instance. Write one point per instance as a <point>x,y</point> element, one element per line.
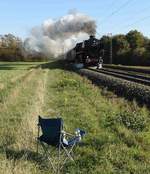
<point>136,22</point>
<point>141,20</point>
<point>116,11</point>
<point>142,10</point>
<point>107,8</point>
<point>112,4</point>
<point>137,12</point>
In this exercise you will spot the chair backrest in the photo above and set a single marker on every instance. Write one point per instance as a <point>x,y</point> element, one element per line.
<point>51,129</point>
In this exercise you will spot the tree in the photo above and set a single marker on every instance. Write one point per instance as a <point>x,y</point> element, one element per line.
<point>120,43</point>
<point>135,39</point>
<point>10,48</point>
<point>138,56</point>
<point>121,48</point>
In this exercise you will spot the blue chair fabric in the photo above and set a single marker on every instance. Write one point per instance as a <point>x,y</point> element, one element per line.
<point>51,130</point>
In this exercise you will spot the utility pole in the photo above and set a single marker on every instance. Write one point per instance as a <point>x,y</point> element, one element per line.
<point>111,55</point>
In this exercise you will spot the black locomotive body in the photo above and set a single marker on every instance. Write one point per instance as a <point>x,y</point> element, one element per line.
<point>87,53</point>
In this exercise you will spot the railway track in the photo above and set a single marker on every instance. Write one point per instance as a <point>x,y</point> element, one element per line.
<point>130,76</point>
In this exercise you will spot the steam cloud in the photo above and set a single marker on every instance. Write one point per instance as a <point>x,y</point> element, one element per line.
<point>54,37</point>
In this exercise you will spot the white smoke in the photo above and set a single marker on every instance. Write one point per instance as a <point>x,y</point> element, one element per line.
<point>55,37</point>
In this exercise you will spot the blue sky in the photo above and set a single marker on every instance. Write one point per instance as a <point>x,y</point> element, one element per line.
<point>112,16</point>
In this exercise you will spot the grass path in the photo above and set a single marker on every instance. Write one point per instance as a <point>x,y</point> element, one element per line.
<point>12,110</point>
<point>27,105</point>
<point>29,123</point>
<point>11,86</point>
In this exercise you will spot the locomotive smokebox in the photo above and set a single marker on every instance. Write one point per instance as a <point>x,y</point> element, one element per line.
<point>92,36</point>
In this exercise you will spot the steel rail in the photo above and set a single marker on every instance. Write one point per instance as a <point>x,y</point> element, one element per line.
<point>124,75</point>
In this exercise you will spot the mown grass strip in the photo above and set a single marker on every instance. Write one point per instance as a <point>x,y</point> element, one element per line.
<point>11,84</point>
<point>16,135</point>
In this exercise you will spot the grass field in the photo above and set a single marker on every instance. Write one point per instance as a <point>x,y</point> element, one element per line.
<point>118,131</point>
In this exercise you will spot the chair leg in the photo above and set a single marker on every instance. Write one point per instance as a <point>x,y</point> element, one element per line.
<point>59,151</point>
<point>47,153</point>
<point>68,155</point>
<point>68,152</point>
<point>37,148</point>
<point>37,138</point>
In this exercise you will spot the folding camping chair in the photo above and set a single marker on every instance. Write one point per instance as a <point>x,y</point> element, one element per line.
<point>54,137</point>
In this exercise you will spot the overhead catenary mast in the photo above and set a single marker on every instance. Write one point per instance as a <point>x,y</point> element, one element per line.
<point>111,50</point>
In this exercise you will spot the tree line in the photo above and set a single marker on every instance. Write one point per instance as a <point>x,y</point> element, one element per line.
<point>130,49</point>
<point>12,49</point>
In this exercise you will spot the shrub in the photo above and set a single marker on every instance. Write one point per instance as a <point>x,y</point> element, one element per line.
<point>134,121</point>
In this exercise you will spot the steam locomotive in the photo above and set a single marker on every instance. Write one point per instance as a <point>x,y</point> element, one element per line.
<point>87,53</point>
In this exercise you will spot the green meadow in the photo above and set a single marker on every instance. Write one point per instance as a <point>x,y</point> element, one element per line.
<point>118,131</point>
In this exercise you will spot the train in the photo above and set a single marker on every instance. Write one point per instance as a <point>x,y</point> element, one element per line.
<point>86,53</point>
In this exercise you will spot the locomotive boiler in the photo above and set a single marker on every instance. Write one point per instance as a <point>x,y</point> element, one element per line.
<point>86,53</point>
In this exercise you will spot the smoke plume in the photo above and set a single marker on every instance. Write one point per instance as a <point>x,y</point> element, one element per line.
<point>55,37</point>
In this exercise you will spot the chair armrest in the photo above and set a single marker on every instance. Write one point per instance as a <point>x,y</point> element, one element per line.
<point>67,133</point>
